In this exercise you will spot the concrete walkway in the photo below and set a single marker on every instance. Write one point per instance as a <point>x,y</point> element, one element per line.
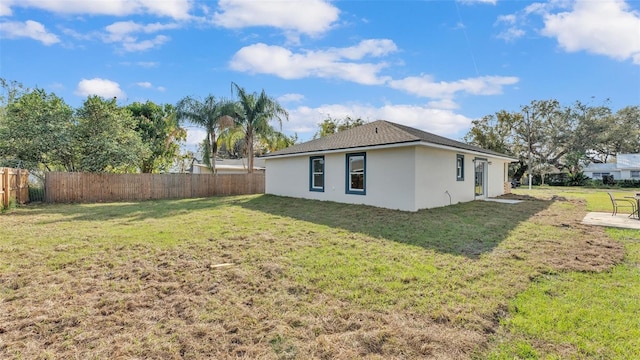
<point>503,201</point>
<point>605,219</point>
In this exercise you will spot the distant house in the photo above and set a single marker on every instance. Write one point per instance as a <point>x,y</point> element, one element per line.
<point>229,166</point>
<point>387,165</point>
<point>627,166</point>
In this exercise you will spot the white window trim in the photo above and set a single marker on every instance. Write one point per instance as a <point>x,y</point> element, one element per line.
<point>312,173</point>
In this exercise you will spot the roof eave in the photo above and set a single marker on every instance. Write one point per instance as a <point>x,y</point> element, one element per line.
<point>388,146</point>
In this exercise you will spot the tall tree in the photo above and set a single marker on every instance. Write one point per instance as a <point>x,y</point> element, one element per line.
<point>9,92</point>
<point>160,130</point>
<point>107,138</point>
<point>252,114</point>
<point>36,129</point>
<point>331,126</point>
<point>212,115</point>
<point>492,132</point>
<point>545,135</point>
<point>626,130</point>
<point>593,133</point>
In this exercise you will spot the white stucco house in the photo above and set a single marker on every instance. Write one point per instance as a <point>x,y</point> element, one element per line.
<point>229,166</point>
<point>626,167</point>
<point>387,165</point>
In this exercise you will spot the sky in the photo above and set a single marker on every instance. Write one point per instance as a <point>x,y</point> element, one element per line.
<point>432,65</point>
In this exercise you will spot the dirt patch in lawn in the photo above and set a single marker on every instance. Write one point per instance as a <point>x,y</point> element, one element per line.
<point>584,248</point>
<point>238,294</point>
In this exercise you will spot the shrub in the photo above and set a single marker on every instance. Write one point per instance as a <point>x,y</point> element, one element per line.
<point>577,179</point>
<point>628,183</point>
<point>608,180</point>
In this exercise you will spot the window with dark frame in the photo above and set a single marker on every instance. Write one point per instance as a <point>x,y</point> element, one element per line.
<point>316,173</point>
<point>460,167</point>
<point>356,173</point>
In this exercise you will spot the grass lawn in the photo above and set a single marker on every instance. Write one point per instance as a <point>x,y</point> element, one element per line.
<point>578,314</point>
<point>279,278</point>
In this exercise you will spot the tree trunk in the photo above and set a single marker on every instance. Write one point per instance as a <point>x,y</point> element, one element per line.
<point>250,153</point>
<point>212,149</point>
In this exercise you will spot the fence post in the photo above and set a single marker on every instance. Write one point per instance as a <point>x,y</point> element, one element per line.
<point>7,185</point>
<point>2,190</point>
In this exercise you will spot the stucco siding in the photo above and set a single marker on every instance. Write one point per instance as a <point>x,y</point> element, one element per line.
<point>287,177</point>
<point>389,178</point>
<point>436,180</point>
<point>496,177</point>
<point>405,178</point>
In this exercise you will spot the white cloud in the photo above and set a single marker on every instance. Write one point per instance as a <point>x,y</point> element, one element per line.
<point>28,29</point>
<point>337,63</point>
<point>444,104</point>
<point>101,87</point>
<point>310,17</point>
<point>176,9</point>
<point>492,2</point>
<point>287,98</point>
<point>124,32</point>
<point>304,120</point>
<point>605,27</point>
<point>517,24</point>
<point>148,85</point>
<point>145,44</point>
<point>511,34</point>
<point>5,9</point>
<point>514,26</point>
<point>425,86</point>
<point>121,30</point>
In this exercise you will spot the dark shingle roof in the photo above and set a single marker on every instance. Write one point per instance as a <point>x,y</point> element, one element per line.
<point>380,132</point>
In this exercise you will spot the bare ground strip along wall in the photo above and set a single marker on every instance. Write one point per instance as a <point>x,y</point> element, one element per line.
<point>64,187</point>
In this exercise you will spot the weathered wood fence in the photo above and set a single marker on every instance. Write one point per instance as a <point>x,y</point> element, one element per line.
<point>14,184</point>
<point>65,187</point>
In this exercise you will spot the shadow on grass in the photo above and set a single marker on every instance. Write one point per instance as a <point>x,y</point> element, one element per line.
<point>131,211</point>
<point>467,229</point>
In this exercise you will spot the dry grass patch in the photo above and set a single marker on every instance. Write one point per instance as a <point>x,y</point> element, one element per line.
<point>276,278</point>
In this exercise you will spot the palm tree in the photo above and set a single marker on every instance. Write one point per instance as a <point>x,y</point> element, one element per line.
<point>252,114</point>
<point>275,141</point>
<point>209,114</point>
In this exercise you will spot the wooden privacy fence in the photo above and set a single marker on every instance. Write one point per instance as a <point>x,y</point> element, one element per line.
<point>14,184</point>
<point>65,187</point>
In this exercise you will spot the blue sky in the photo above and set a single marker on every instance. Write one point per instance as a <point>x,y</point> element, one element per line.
<point>433,65</point>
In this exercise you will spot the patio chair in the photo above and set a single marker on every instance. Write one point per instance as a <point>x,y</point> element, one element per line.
<point>622,203</point>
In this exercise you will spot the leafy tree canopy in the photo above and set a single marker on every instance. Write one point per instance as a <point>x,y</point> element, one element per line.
<point>37,130</point>
<point>107,139</point>
<point>331,126</point>
<point>547,136</point>
<point>159,129</point>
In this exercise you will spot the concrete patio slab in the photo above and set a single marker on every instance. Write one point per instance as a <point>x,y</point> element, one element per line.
<point>503,201</point>
<point>605,219</point>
